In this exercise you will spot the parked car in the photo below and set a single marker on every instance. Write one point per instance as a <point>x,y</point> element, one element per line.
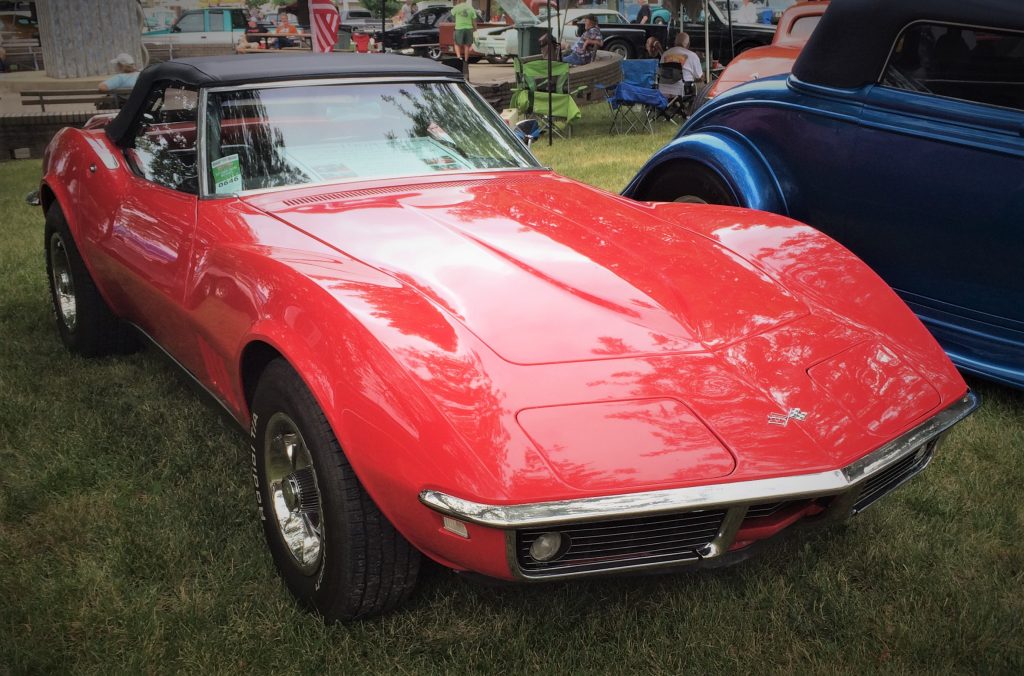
<point>620,37</point>
<point>159,19</point>
<point>902,142</point>
<point>659,14</point>
<point>419,35</point>
<point>218,25</point>
<point>795,27</point>
<point>18,25</point>
<point>723,47</point>
<point>357,18</point>
<point>436,345</point>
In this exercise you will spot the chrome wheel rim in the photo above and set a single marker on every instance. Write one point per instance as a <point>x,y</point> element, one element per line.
<point>63,282</point>
<point>294,495</point>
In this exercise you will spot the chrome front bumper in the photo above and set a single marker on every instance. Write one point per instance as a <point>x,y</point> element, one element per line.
<point>843,485</point>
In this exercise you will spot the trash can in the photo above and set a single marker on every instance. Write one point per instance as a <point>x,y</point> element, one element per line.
<point>344,40</point>
<point>529,40</point>
<point>362,41</point>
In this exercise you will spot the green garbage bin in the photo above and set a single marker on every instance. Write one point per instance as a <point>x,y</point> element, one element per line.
<point>529,40</point>
<point>344,41</point>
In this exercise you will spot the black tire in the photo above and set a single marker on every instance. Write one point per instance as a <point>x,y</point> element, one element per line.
<point>364,567</point>
<point>86,325</point>
<point>687,181</point>
<point>619,47</point>
<point>498,60</point>
<point>434,53</point>
<point>701,97</point>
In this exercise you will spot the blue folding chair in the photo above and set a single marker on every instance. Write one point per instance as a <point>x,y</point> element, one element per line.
<point>528,131</point>
<point>636,100</point>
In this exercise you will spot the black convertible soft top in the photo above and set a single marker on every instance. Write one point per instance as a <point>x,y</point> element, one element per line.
<point>850,46</point>
<point>216,71</point>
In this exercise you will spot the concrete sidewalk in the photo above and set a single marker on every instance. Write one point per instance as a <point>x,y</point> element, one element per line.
<point>11,84</point>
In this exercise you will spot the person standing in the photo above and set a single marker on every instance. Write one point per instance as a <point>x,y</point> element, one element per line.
<point>465,22</point>
<point>644,14</point>
<point>746,14</point>
<point>405,13</point>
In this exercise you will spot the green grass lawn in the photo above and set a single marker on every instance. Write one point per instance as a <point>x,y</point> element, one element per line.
<point>129,540</point>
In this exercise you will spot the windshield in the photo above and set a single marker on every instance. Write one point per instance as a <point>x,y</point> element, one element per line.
<point>289,136</point>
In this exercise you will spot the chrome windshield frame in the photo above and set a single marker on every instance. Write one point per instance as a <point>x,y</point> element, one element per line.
<point>464,88</point>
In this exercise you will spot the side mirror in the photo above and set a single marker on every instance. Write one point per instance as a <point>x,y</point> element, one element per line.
<point>175,29</point>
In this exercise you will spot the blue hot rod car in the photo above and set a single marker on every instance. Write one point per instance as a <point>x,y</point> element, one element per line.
<point>900,132</point>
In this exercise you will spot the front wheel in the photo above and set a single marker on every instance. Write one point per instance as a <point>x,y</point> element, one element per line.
<point>688,182</point>
<point>337,553</point>
<point>85,322</point>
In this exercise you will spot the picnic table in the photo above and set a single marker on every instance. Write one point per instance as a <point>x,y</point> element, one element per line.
<point>265,42</point>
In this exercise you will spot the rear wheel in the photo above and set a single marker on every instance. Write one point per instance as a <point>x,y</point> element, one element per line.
<point>337,553</point>
<point>86,325</point>
<point>619,47</point>
<point>701,97</point>
<point>688,182</point>
<point>499,59</point>
<point>434,53</point>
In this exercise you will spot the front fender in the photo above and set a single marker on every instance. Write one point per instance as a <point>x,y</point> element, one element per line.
<point>726,153</point>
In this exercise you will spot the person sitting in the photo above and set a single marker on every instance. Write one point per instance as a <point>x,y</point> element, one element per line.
<point>688,60</point>
<point>653,48</point>
<point>285,27</point>
<point>587,44</point>
<point>127,74</point>
<point>250,40</point>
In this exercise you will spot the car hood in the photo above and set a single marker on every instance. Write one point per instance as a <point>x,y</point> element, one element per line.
<point>543,269</point>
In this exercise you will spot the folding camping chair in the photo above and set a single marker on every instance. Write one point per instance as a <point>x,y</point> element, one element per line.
<point>676,90</point>
<point>533,90</point>
<point>636,100</point>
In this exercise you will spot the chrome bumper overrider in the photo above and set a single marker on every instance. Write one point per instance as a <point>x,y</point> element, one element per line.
<point>737,496</point>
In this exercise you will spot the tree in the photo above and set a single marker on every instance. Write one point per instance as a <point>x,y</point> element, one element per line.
<point>80,37</point>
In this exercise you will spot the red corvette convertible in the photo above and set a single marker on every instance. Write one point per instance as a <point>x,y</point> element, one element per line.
<point>439,347</point>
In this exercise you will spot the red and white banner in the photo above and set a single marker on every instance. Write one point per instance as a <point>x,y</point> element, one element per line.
<point>324,20</point>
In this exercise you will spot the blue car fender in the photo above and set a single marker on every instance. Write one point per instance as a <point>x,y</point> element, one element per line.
<point>716,151</point>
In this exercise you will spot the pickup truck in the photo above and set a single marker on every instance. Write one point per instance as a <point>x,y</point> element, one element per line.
<point>215,26</point>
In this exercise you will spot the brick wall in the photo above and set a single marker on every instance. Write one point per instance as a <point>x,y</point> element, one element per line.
<point>32,131</point>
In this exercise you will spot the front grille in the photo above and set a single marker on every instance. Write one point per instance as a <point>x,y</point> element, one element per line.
<point>761,511</point>
<point>881,483</point>
<point>607,545</point>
